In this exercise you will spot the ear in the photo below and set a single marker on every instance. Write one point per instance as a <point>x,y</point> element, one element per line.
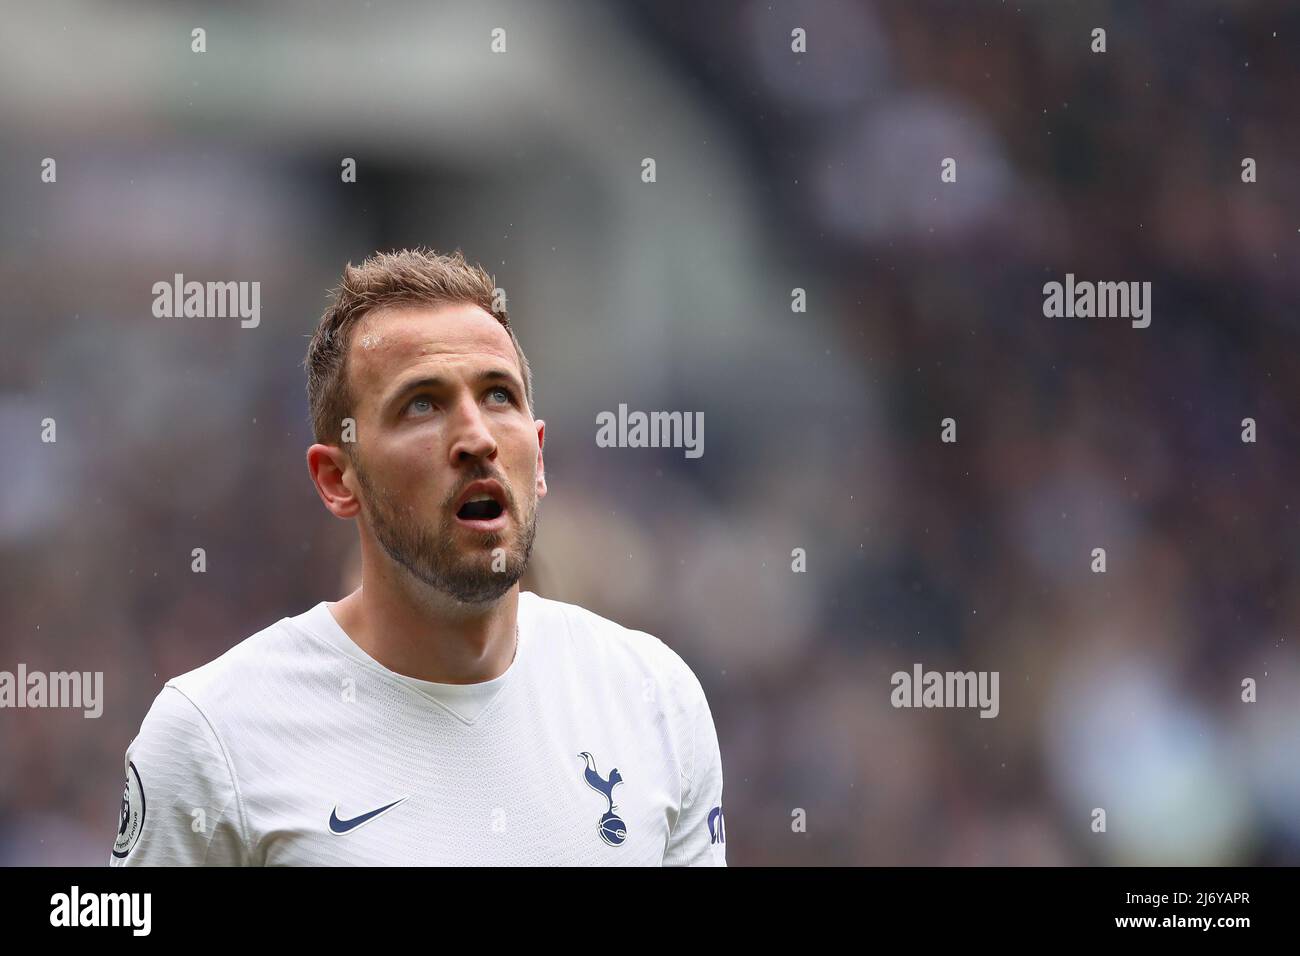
<point>332,474</point>
<point>541,465</point>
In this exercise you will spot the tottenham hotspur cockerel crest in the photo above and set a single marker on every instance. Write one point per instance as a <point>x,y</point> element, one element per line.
<point>612,830</point>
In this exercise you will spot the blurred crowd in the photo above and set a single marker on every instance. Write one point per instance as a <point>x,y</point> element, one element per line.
<point>775,171</point>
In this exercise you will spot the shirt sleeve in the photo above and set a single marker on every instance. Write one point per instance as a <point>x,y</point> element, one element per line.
<point>180,803</point>
<point>699,837</point>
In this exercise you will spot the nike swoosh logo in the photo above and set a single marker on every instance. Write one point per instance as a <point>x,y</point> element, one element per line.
<point>347,826</point>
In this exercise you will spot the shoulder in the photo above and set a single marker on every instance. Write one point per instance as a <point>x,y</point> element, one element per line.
<point>598,642</point>
<point>242,672</point>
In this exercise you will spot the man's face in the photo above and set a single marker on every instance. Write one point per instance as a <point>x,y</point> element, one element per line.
<point>439,403</point>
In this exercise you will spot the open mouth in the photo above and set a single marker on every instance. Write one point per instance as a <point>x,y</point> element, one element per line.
<point>480,508</point>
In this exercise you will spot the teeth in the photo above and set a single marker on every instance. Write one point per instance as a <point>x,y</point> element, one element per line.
<point>481,497</point>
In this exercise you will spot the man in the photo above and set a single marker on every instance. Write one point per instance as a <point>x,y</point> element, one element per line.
<point>437,714</point>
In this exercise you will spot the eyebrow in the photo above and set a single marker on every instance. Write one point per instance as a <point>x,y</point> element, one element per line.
<point>437,382</point>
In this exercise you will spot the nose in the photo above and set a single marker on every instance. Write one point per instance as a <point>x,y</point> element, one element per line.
<point>471,437</point>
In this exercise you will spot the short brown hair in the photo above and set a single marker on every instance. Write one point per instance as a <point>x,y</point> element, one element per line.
<point>408,276</point>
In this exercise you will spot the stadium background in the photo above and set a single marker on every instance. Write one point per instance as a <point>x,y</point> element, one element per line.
<point>775,171</point>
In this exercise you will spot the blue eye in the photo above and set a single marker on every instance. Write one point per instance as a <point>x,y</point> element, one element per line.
<point>419,399</point>
<point>506,392</point>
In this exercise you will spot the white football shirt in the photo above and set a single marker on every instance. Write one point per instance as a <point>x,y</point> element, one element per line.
<point>596,747</point>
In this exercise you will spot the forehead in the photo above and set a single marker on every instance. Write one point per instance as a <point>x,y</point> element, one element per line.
<point>388,343</point>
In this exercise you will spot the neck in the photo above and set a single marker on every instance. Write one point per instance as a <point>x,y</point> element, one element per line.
<point>413,630</point>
